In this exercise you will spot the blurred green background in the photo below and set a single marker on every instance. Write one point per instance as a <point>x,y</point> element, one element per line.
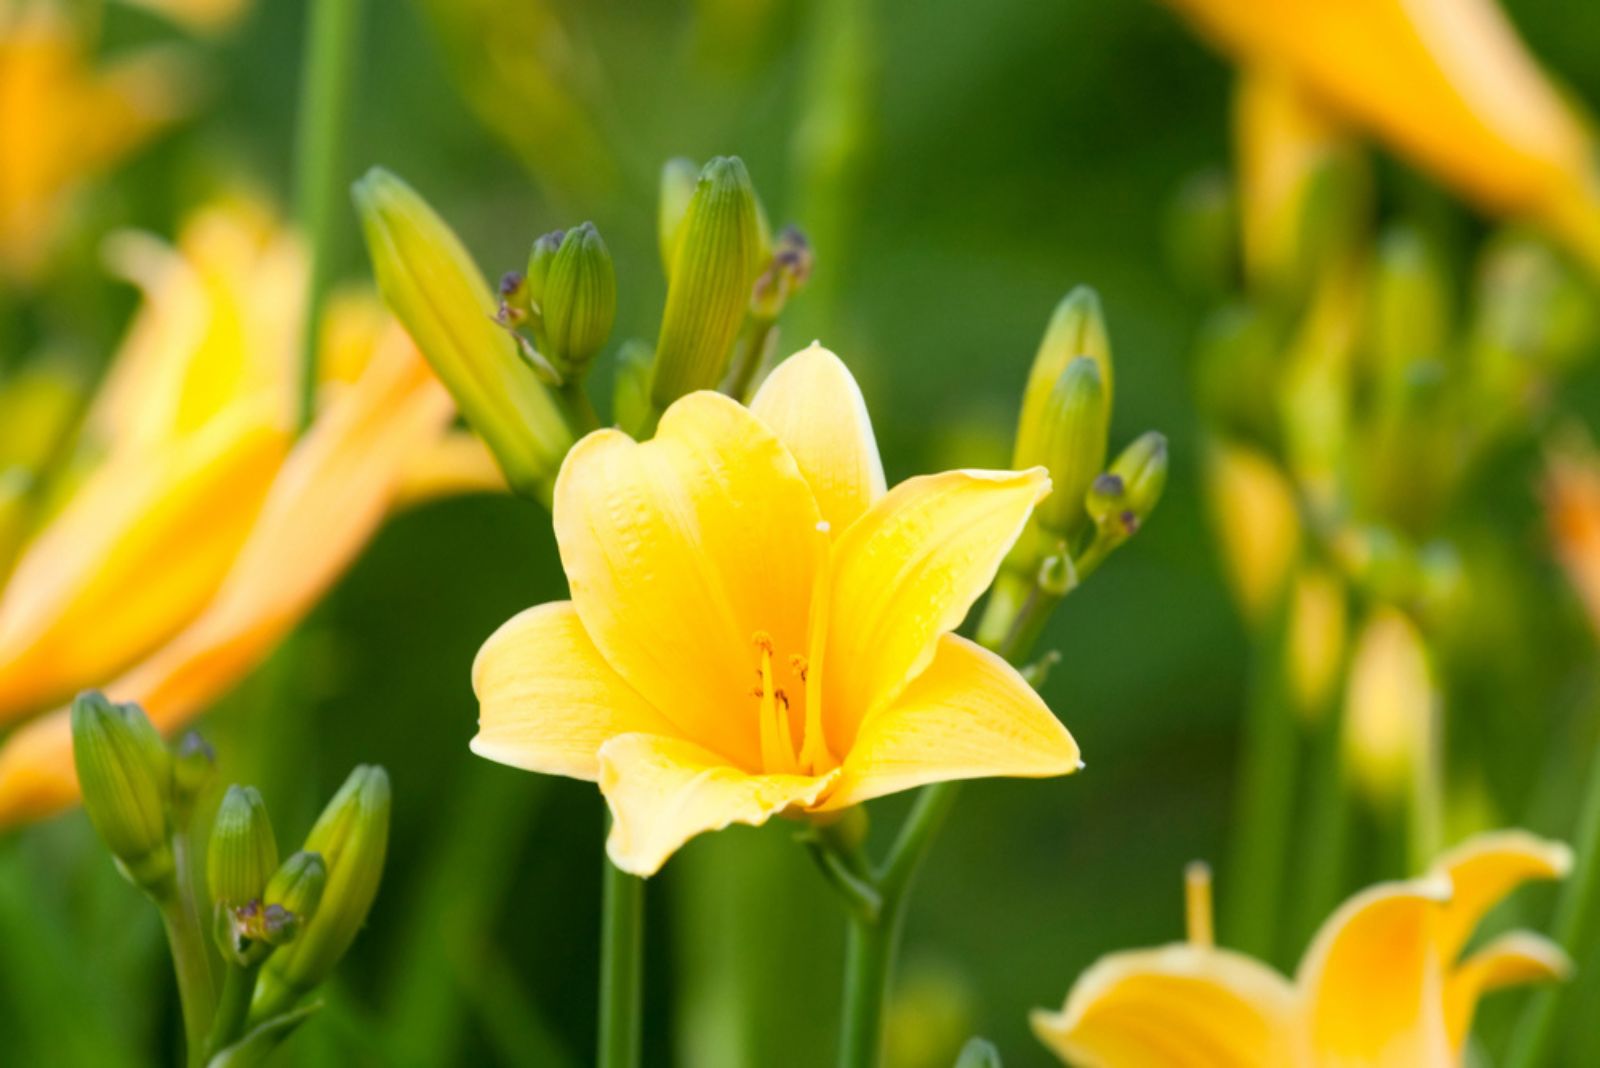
<point>959,167</point>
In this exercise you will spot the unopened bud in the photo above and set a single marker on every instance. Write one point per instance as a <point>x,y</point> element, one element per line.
<point>978,1053</point>
<point>194,765</point>
<point>438,294</point>
<point>352,837</point>
<point>1120,500</point>
<point>1410,305</point>
<point>678,180</point>
<point>1257,517</point>
<point>540,257</point>
<point>1072,444</point>
<point>292,896</point>
<point>125,772</point>
<point>243,853</point>
<point>1389,707</point>
<point>1077,328</point>
<point>709,285</point>
<point>579,301</point>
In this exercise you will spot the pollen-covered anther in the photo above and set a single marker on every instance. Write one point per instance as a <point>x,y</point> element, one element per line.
<point>798,665</point>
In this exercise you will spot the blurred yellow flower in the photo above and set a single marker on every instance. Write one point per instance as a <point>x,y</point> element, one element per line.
<point>1384,984</point>
<point>1257,518</point>
<point>1445,82</point>
<point>194,531</point>
<point>758,628</point>
<point>63,121</point>
<point>202,16</point>
<point>1572,498</point>
<point>1390,707</point>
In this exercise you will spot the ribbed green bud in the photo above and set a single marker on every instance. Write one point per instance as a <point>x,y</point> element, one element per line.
<point>1202,229</point>
<point>437,292</point>
<point>1120,500</point>
<point>978,1053</point>
<point>630,390</point>
<point>579,301</point>
<point>1077,328</point>
<point>1410,304</point>
<point>292,896</point>
<point>678,179</point>
<point>243,853</point>
<point>1071,442</point>
<point>540,257</point>
<point>125,773</point>
<point>708,288</point>
<point>194,765</point>
<point>351,835</point>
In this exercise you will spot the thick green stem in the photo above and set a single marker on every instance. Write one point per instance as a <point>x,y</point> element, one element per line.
<point>1264,802</point>
<point>193,968</point>
<point>233,1008</point>
<point>320,131</point>
<point>1576,918</point>
<point>621,968</point>
<point>577,408</point>
<point>1323,857</point>
<point>869,963</point>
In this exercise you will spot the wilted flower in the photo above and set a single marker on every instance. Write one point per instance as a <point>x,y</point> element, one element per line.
<point>757,627</point>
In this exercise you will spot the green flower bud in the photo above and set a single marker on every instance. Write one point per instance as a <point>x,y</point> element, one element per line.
<point>433,287</point>
<point>630,395</point>
<point>243,852</point>
<point>292,896</point>
<point>678,179</point>
<point>978,1053</point>
<point>709,285</point>
<point>579,301</point>
<point>1077,328</point>
<point>1120,500</point>
<point>1072,444</point>
<point>540,257</point>
<point>125,773</point>
<point>352,836</point>
<point>1410,305</point>
<point>194,765</point>
<point>786,274</point>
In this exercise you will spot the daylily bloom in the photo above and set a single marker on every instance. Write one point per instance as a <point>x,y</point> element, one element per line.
<point>1385,983</point>
<point>1444,82</point>
<point>63,121</point>
<point>758,628</point>
<point>198,531</point>
<point>1572,496</point>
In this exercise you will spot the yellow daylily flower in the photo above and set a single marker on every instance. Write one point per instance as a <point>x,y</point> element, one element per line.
<point>63,121</point>
<point>1257,518</point>
<point>1385,983</point>
<point>1444,82</point>
<point>758,627</point>
<point>201,532</point>
<point>1572,499</point>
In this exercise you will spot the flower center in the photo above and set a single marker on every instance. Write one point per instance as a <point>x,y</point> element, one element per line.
<point>777,693</point>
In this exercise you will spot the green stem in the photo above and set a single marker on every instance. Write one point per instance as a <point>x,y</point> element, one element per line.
<point>577,408</point>
<point>319,182</point>
<point>233,1008</point>
<point>621,968</point>
<point>1576,917</point>
<point>869,958</point>
<point>749,352</point>
<point>1324,856</point>
<point>193,968</point>
<point>1264,801</point>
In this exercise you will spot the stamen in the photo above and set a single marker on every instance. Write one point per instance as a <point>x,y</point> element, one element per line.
<point>1197,904</point>
<point>814,756</point>
<point>797,664</point>
<point>777,747</point>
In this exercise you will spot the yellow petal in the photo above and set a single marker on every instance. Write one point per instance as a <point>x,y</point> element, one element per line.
<point>1258,523</point>
<point>680,550</point>
<point>326,502</point>
<point>547,701</point>
<point>1372,983</point>
<point>1486,869</point>
<point>1513,959</point>
<point>452,464</point>
<point>664,791</point>
<point>968,716</point>
<point>812,402</point>
<point>82,605</point>
<point>1175,1007</point>
<point>905,573</point>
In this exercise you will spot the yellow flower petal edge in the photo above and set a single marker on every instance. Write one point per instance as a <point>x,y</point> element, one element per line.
<point>1179,1006</point>
<point>1513,959</point>
<point>1484,870</point>
<point>812,403</point>
<point>548,701</point>
<point>329,497</point>
<point>729,654</point>
<point>969,715</point>
<point>664,791</point>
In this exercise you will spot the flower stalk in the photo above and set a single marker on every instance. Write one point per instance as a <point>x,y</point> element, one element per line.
<point>621,968</point>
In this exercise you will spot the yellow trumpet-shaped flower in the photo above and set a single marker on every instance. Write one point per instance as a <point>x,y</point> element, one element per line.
<point>1572,496</point>
<point>1385,983</point>
<point>63,121</point>
<point>200,531</point>
<point>1445,82</point>
<point>757,627</point>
